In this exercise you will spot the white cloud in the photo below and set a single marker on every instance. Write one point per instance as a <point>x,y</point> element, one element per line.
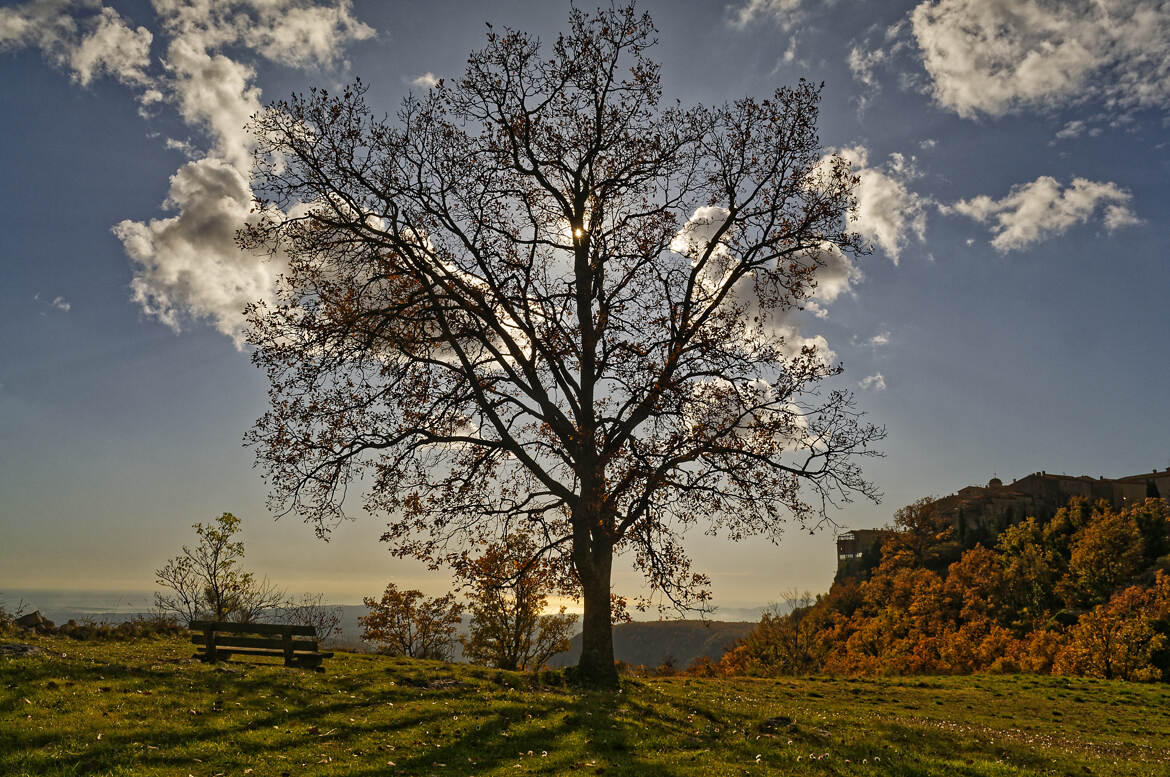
<point>888,211</point>
<point>994,56</point>
<point>60,303</point>
<point>1117,216</point>
<point>789,55</point>
<point>881,338</point>
<point>188,265</point>
<point>1072,129</point>
<point>297,33</point>
<point>184,147</point>
<point>215,93</point>
<point>426,80</point>
<point>927,144</point>
<point>835,275</point>
<point>1034,211</point>
<point>875,382</point>
<point>85,38</point>
<point>862,64</point>
<point>786,12</point>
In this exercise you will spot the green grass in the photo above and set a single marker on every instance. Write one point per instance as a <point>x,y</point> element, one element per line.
<point>147,708</point>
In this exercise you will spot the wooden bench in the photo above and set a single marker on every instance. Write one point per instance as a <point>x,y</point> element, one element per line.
<point>219,641</point>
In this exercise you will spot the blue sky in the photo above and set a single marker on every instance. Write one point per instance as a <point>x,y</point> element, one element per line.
<point>1011,318</point>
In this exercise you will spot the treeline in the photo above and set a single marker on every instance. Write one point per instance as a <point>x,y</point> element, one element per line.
<point>1085,593</point>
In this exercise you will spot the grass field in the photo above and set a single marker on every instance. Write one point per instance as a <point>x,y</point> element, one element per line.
<point>147,708</point>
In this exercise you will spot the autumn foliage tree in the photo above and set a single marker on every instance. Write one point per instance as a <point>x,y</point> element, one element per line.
<point>1120,639</point>
<point>408,623</point>
<point>539,300</point>
<point>922,536</point>
<point>508,589</point>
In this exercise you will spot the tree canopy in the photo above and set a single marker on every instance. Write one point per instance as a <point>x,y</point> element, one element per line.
<point>542,299</point>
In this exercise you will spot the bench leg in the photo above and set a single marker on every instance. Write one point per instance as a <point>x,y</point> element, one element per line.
<point>309,663</point>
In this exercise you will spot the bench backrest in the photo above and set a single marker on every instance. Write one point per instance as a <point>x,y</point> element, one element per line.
<point>253,628</point>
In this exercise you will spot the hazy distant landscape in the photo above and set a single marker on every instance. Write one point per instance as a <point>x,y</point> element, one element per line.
<point>649,643</point>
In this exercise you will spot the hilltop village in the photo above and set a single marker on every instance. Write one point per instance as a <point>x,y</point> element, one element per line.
<point>980,513</point>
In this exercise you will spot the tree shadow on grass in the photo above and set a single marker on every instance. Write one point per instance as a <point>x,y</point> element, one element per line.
<point>558,733</point>
<point>168,715</point>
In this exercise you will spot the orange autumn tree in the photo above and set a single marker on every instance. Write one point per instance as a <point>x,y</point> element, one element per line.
<point>1123,639</point>
<point>408,623</point>
<point>508,589</point>
<point>541,299</point>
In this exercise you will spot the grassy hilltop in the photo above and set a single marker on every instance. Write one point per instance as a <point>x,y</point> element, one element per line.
<point>146,708</point>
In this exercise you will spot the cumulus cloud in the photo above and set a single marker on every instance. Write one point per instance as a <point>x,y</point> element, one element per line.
<point>888,212</point>
<point>215,93</point>
<point>1034,211</point>
<point>881,338</point>
<point>188,265</point>
<point>994,56</point>
<point>297,33</point>
<point>836,275</point>
<point>875,382</point>
<point>425,81</point>
<point>85,38</point>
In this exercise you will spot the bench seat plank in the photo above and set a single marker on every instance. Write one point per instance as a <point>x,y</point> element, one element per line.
<point>224,650</point>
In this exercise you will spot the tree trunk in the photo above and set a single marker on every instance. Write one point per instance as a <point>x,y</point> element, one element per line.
<point>596,667</point>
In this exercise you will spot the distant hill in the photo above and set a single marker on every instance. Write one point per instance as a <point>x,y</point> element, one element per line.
<point>653,643</point>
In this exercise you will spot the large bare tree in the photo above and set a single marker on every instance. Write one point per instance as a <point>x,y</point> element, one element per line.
<point>541,300</point>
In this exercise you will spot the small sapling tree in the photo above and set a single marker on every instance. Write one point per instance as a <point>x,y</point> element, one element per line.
<point>508,589</point>
<point>311,610</point>
<point>206,581</point>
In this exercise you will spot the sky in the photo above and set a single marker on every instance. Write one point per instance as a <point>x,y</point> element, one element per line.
<point>1011,318</point>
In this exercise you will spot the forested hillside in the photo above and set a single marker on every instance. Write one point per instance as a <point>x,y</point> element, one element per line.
<point>1085,593</point>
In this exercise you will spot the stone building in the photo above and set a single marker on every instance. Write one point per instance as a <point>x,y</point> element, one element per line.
<point>858,551</point>
<point>980,513</point>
